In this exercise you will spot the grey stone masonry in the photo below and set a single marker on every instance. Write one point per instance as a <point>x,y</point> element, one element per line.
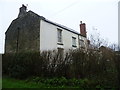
<point>22,11</point>
<point>24,33</point>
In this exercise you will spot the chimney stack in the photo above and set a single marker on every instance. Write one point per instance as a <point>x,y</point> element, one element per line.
<point>22,11</point>
<point>83,29</point>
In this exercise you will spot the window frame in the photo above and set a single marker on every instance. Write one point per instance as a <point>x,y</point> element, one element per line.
<point>59,36</point>
<point>81,43</point>
<point>74,44</point>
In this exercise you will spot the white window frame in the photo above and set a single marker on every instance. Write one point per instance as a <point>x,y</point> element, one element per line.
<point>81,43</point>
<point>59,36</point>
<point>74,42</point>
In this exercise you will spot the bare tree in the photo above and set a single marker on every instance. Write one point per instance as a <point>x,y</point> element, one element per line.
<point>96,41</point>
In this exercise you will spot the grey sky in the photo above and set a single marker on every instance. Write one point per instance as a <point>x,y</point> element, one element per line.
<point>97,14</point>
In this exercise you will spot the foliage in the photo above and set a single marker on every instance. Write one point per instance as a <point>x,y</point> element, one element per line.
<point>76,67</point>
<point>60,81</point>
<point>16,83</point>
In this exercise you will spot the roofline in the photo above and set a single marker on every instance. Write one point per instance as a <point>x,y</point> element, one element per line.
<point>53,23</point>
<point>61,26</point>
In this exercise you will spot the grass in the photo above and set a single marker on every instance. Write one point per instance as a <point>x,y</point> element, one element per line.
<point>8,82</point>
<point>15,83</point>
<point>0,82</point>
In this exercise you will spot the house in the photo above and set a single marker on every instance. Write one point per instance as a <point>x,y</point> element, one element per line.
<point>32,32</point>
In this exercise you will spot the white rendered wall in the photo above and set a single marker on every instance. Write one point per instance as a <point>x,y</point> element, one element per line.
<point>48,37</point>
<point>67,39</point>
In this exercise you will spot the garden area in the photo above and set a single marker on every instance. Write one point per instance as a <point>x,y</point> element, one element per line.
<point>51,69</point>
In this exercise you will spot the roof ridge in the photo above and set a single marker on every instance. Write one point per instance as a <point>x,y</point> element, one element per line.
<point>54,23</point>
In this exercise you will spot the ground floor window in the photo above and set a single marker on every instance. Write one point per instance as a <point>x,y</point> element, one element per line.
<point>60,51</point>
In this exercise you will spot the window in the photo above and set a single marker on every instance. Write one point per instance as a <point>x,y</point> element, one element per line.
<point>74,42</point>
<point>61,52</point>
<point>59,34</point>
<point>82,44</point>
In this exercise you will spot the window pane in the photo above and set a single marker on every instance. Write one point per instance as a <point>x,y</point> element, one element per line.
<point>61,52</point>
<point>82,43</point>
<point>73,41</point>
<point>59,35</point>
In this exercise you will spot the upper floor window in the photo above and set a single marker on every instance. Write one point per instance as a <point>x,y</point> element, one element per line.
<point>73,41</point>
<point>59,35</point>
<point>81,43</point>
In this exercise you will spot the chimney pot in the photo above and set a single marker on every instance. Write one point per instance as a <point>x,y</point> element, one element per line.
<point>80,22</point>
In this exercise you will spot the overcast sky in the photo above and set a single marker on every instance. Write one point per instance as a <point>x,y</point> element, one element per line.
<point>100,16</point>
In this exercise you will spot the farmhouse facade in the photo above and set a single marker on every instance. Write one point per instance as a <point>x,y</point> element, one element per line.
<point>32,32</point>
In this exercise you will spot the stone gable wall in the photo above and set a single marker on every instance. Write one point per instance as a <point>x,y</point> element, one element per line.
<point>23,34</point>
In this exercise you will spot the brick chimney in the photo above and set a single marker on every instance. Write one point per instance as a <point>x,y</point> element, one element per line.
<point>83,29</point>
<point>22,11</point>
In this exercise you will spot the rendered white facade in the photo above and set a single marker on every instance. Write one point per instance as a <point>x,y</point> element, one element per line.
<point>49,39</point>
<point>32,32</point>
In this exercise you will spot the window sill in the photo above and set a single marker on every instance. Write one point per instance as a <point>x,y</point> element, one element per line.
<point>59,43</point>
<point>82,47</point>
<point>74,46</point>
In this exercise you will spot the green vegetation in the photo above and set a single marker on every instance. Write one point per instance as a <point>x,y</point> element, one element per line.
<point>47,83</point>
<point>42,83</point>
<point>0,82</point>
<point>13,83</point>
<point>16,83</point>
<point>76,68</point>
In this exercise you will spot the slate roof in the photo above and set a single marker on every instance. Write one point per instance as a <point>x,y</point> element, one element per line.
<point>54,23</point>
<point>51,22</point>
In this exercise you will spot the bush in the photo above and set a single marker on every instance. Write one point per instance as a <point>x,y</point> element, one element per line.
<point>62,82</point>
<point>23,65</point>
<point>101,68</point>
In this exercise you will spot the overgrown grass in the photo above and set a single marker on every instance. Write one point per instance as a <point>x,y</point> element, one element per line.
<point>15,83</point>
<point>53,83</point>
<point>49,83</point>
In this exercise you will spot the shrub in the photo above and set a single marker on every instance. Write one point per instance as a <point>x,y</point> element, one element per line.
<point>101,68</point>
